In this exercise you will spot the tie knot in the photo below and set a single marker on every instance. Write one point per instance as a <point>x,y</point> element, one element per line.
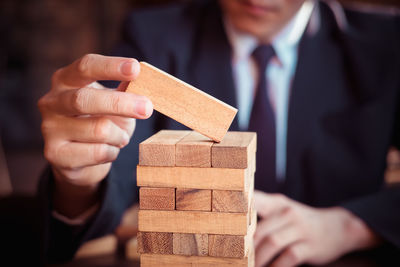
<point>262,55</point>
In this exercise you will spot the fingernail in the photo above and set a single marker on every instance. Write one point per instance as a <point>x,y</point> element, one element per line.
<point>128,68</point>
<point>144,107</point>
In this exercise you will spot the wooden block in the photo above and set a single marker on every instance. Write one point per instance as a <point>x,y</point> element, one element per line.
<point>131,249</point>
<point>249,239</point>
<point>249,187</point>
<point>194,150</point>
<point>251,259</point>
<point>193,199</point>
<point>190,244</point>
<point>154,198</point>
<point>237,150</point>
<point>233,201</point>
<point>106,245</point>
<point>153,260</point>
<point>183,102</point>
<point>201,178</point>
<point>232,246</point>
<point>230,201</point>
<point>251,210</point>
<point>159,149</point>
<point>128,226</point>
<point>195,222</point>
<point>228,246</point>
<point>153,242</point>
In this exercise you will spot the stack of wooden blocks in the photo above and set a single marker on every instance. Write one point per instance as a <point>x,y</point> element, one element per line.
<point>196,199</point>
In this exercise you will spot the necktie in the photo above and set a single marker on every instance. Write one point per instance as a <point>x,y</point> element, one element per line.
<point>262,121</point>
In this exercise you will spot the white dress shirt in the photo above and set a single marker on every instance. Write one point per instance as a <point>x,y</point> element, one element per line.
<point>280,72</point>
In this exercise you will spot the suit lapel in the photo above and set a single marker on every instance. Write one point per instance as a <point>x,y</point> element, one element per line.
<point>318,88</point>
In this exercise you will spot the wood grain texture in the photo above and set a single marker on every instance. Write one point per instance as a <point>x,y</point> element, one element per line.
<point>232,246</point>
<point>153,242</point>
<point>233,201</point>
<point>194,150</point>
<point>190,244</point>
<point>159,149</point>
<point>154,260</point>
<point>200,178</point>
<point>183,102</point>
<point>230,201</point>
<point>154,198</point>
<point>237,150</point>
<point>193,199</point>
<point>195,222</point>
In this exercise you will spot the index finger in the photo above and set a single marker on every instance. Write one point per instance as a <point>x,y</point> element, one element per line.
<point>268,204</point>
<point>91,101</point>
<point>93,67</point>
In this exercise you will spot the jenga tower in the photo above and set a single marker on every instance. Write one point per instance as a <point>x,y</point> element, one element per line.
<point>196,199</point>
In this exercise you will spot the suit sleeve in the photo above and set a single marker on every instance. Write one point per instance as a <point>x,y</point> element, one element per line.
<point>381,211</point>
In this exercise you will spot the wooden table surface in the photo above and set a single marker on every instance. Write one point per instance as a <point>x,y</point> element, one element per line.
<point>386,256</point>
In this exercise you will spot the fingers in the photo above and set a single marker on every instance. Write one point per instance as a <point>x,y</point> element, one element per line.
<point>269,204</point>
<point>71,155</point>
<point>90,101</point>
<point>292,256</point>
<point>84,123</point>
<point>127,124</point>
<point>275,243</point>
<point>86,177</point>
<point>92,130</point>
<point>268,226</point>
<point>92,67</point>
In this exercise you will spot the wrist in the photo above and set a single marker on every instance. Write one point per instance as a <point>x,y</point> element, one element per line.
<point>357,233</point>
<point>72,200</point>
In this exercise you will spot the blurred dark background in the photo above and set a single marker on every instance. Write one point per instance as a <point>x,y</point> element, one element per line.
<point>37,37</point>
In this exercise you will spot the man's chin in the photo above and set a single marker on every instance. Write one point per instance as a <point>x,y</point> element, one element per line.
<point>255,28</point>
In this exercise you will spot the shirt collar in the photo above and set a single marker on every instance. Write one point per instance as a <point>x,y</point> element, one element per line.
<point>286,40</point>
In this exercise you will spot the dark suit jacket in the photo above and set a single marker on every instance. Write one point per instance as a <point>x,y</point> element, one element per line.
<point>343,115</point>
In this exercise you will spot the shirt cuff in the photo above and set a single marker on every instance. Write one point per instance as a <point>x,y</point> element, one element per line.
<point>79,220</point>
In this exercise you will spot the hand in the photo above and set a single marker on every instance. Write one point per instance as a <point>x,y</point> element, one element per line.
<point>84,126</point>
<point>290,233</point>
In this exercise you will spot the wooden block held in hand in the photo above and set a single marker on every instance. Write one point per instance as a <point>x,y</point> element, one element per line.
<point>195,222</point>
<point>194,150</point>
<point>153,198</point>
<point>230,201</point>
<point>183,102</point>
<point>187,177</point>
<point>159,149</point>
<point>237,150</point>
<point>193,199</point>
<point>155,243</point>
<point>190,244</point>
